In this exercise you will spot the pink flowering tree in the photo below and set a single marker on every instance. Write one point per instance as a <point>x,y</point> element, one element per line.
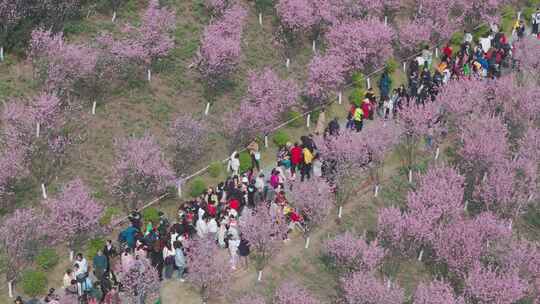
<point>217,7</point>
<point>325,74</point>
<point>525,51</point>
<point>346,156</point>
<point>488,285</point>
<point>350,253</point>
<point>380,137</point>
<point>364,44</point>
<point>12,168</point>
<point>265,232</point>
<point>11,11</point>
<point>208,271</point>
<point>436,292</point>
<point>141,171</point>
<point>268,99</point>
<point>418,122</point>
<point>392,231</point>
<point>73,214</point>
<point>364,288</point>
<point>297,17</point>
<point>290,292</point>
<point>141,282</point>
<point>523,256</point>
<point>152,39</point>
<point>58,65</point>
<point>20,237</point>
<point>411,35</point>
<point>188,139</point>
<point>18,126</point>
<point>438,15</point>
<point>221,46</point>
<point>460,98</point>
<point>314,200</point>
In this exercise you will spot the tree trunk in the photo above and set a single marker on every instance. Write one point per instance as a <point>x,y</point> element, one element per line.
<point>10,289</point>
<point>260,19</point>
<point>1,53</point>
<point>307,243</point>
<point>43,191</point>
<point>113,16</point>
<point>94,108</point>
<point>259,277</point>
<point>149,75</point>
<point>207,109</point>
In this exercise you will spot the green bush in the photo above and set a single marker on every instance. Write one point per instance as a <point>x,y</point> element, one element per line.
<point>108,214</point>
<point>150,214</point>
<point>532,216</point>
<point>215,169</point>
<point>298,119</point>
<point>356,96</point>
<point>457,38</point>
<point>391,65</point>
<point>47,258</point>
<point>93,246</point>
<point>280,138</point>
<point>245,161</point>
<point>480,32</point>
<point>198,186</point>
<point>34,282</point>
<point>359,80</point>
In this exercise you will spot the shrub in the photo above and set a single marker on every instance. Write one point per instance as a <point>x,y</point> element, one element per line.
<point>457,38</point>
<point>34,282</point>
<point>215,169</point>
<point>359,80</point>
<point>532,216</point>
<point>93,246</point>
<point>482,31</point>
<point>356,96</point>
<point>150,215</point>
<point>47,258</point>
<point>197,187</point>
<point>280,138</point>
<point>245,161</point>
<point>108,215</point>
<point>297,116</point>
<point>391,65</point>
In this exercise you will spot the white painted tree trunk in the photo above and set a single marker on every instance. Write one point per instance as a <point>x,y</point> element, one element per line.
<point>113,17</point>
<point>266,141</point>
<point>1,53</point>
<point>376,191</point>
<point>420,255</point>
<point>340,211</point>
<point>149,75</point>
<point>385,20</point>
<point>260,18</point>
<point>339,97</point>
<point>437,153</point>
<point>510,225</point>
<point>10,289</point>
<point>94,108</point>
<point>207,109</point>
<point>71,255</point>
<point>404,67</point>
<point>389,284</point>
<point>530,197</point>
<point>307,243</point>
<point>436,52</point>
<point>410,176</point>
<point>38,129</point>
<point>43,191</point>
<point>308,120</point>
<point>368,83</point>
<point>259,277</point>
<point>519,15</point>
<point>466,205</point>
<point>288,63</point>
<point>364,234</point>
<point>484,177</point>
<point>179,189</point>
<point>314,46</point>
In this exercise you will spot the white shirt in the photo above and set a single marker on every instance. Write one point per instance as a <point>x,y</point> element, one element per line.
<point>212,226</point>
<point>202,228</point>
<point>83,265</point>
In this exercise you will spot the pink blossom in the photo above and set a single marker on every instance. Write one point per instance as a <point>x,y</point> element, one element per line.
<point>325,74</point>
<point>297,15</point>
<point>289,292</point>
<point>436,292</point>
<point>140,281</point>
<point>314,199</point>
<point>354,253</point>
<point>365,288</point>
<point>412,34</point>
<point>250,299</point>
<point>487,285</point>
<point>189,138</point>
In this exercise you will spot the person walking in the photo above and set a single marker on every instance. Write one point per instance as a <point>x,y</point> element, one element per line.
<point>357,119</point>
<point>100,264</point>
<point>179,261</point>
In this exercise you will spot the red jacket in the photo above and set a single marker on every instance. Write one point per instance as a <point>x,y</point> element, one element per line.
<point>447,50</point>
<point>366,108</point>
<point>234,204</point>
<point>296,155</point>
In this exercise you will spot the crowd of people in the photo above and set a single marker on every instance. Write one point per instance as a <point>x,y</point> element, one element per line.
<point>217,212</point>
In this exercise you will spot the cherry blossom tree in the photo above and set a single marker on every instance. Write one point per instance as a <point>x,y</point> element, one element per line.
<point>265,232</point>
<point>141,282</point>
<point>364,44</point>
<point>209,272</point>
<point>460,98</point>
<point>18,126</point>
<point>11,11</point>
<point>392,231</point>
<point>141,170</point>
<point>20,236</point>
<point>528,62</point>
<point>350,253</point>
<point>268,99</point>
<point>346,155</point>
<point>411,35</point>
<point>325,74</point>
<point>436,292</point>
<point>188,139</point>
<point>217,7</point>
<point>12,167</point>
<point>365,288</point>
<point>379,137</point>
<point>73,214</point>
<point>487,285</point>
<point>221,45</point>
<point>290,292</point>
<point>438,15</point>
<point>59,65</point>
<point>314,200</point>
<point>296,15</point>
<point>152,39</point>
